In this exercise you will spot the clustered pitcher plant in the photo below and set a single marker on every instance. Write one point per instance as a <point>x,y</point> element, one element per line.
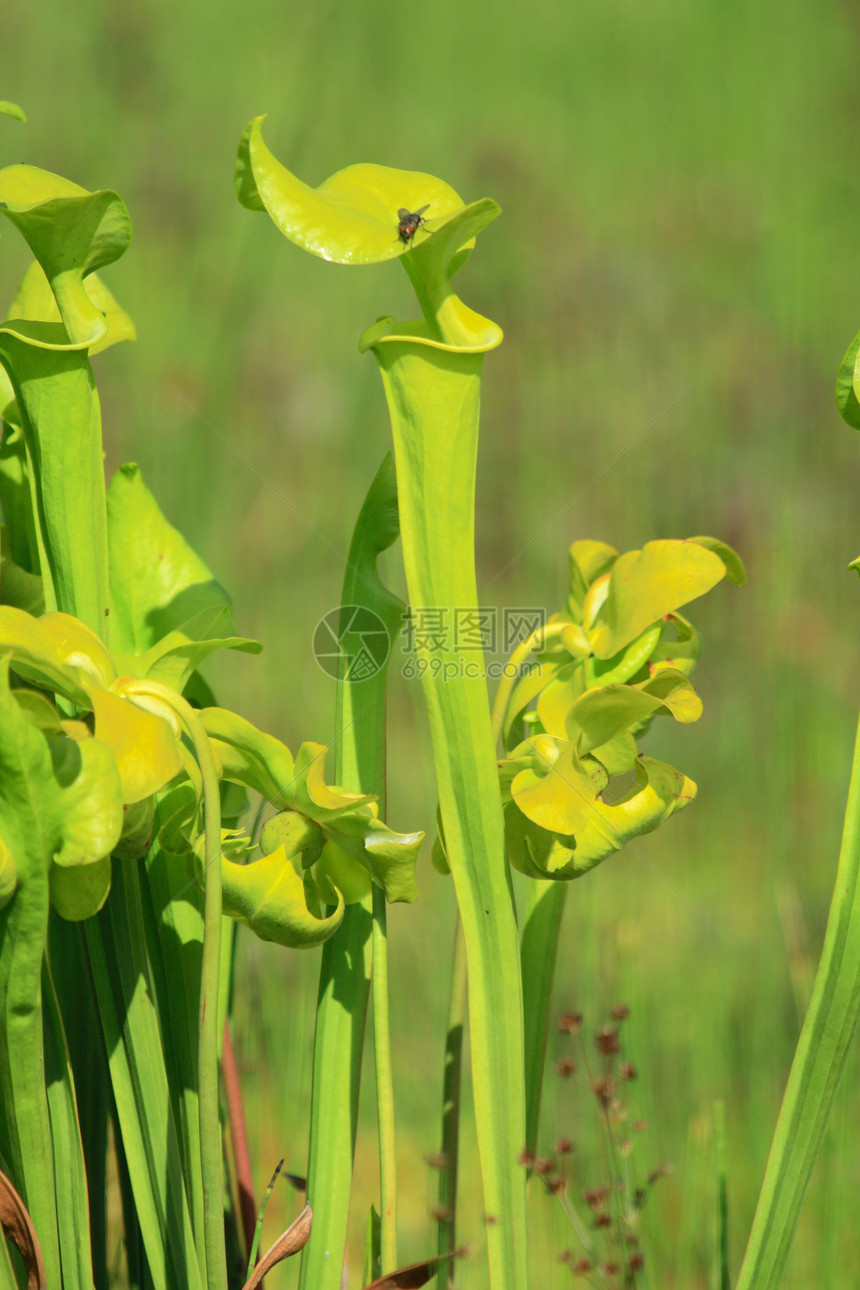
<point>608,676</point>
<point>126,852</point>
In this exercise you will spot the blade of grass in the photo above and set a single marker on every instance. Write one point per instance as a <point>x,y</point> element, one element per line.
<point>120,967</point>
<point>239,1141</point>
<point>538,953</point>
<point>817,1068</point>
<point>258,1221</point>
<point>72,983</point>
<point>73,1220</point>
<point>722,1279</point>
<point>213,991</point>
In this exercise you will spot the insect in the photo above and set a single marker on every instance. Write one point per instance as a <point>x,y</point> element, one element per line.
<point>410,222</point>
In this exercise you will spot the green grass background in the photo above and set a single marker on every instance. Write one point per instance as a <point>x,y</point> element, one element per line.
<point>680,196</point>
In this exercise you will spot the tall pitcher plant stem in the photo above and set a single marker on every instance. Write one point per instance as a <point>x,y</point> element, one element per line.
<point>433,398</point>
<point>431,371</point>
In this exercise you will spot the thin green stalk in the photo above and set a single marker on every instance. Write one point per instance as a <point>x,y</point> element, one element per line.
<point>345,970</point>
<point>816,1071</point>
<point>451,1098</point>
<point>384,1088</point>
<point>211,1154</point>
<point>239,1141</point>
<point>722,1279</point>
<point>258,1226</point>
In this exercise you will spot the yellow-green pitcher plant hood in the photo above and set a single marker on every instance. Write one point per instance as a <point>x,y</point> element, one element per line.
<point>45,342</point>
<point>356,217</point>
<point>71,232</point>
<point>353,216</point>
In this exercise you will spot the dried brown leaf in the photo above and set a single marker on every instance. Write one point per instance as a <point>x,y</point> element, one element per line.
<point>19,1229</point>
<point>409,1278</point>
<point>289,1242</point>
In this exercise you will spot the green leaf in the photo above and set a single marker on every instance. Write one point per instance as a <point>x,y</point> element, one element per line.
<point>588,561</point>
<point>301,838</point>
<point>16,498</point>
<point>735,571</point>
<point>58,651</point>
<point>604,712</point>
<point>679,647</point>
<point>846,392</point>
<point>158,584</point>
<point>78,895</point>
<point>618,755</point>
<point>648,584</point>
<point>73,1216</point>
<point>138,826</point>
<point>557,791</point>
<point>250,757</point>
<point>351,218</point>
<point>345,966</point>
<point>8,875</point>
<point>372,1246</point>
<point>175,658</point>
<point>79,815</point>
<point>627,662</point>
<point>37,656</point>
<point>538,952</point>
<point>12,109</point>
<point>18,588</point>
<point>824,1045</point>
<point>35,301</point>
<point>144,746</point>
<point>59,806</point>
<point>556,697</point>
<point>71,232</point>
<point>657,793</point>
<point>263,763</point>
<point>133,1034</point>
<point>269,897</point>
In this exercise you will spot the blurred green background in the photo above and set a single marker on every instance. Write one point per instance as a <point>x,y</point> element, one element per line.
<point>678,251</point>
